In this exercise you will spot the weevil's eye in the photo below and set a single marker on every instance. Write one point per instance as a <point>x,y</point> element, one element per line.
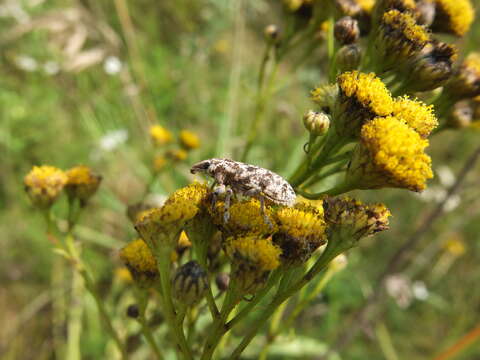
<point>202,166</point>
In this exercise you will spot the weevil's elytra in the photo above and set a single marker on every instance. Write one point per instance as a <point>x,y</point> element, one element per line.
<point>248,180</point>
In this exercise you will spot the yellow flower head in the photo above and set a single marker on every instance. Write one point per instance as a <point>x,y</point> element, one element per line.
<point>161,227</point>
<point>190,283</point>
<point>465,83</point>
<point>455,245</point>
<point>82,183</point>
<point>189,140</point>
<point>177,154</point>
<point>159,163</point>
<point>402,6</point>
<point>44,184</point>
<point>361,98</point>
<point>123,274</point>
<point>390,154</point>
<point>138,258</point>
<point>301,231</point>
<point>453,16</point>
<point>398,40</point>
<point>245,218</point>
<point>253,259</point>
<point>431,68</point>
<point>160,136</point>
<point>416,114</point>
<point>350,220</point>
<point>366,5</point>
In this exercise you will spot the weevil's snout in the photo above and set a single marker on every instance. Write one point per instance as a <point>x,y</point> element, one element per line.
<point>200,167</point>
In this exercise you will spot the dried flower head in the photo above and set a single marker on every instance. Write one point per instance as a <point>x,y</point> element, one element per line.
<point>399,39</point>
<point>189,283</point>
<point>160,136</point>
<point>453,16</point>
<point>141,263</point>
<point>416,114</point>
<point>350,220</point>
<point>390,154</point>
<point>44,184</point>
<point>465,82</point>
<point>189,140</point>
<point>431,68</point>
<point>246,217</point>
<point>253,258</point>
<point>82,183</point>
<point>301,230</point>
<point>361,98</point>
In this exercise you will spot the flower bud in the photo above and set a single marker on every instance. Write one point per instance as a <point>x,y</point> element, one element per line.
<point>133,311</point>
<point>189,283</point>
<point>44,184</point>
<point>346,30</point>
<point>317,123</point>
<point>348,57</point>
<point>222,280</point>
<point>461,116</point>
<point>272,33</point>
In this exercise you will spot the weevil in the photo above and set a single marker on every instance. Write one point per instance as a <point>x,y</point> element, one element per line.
<point>234,177</point>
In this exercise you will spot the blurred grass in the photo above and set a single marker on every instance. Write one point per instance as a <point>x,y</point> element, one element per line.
<point>182,77</point>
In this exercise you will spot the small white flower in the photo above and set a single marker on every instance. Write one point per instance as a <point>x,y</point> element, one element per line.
<point>420,291</point>
<point>445,176</point>
<point>112,65</point>
<point>27,63</point>
<point>113,139</point>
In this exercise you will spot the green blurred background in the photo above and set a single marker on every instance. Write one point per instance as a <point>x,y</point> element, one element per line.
<point>81,82</point>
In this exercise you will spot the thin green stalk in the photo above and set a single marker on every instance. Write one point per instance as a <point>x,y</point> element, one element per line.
<point>169,310</point>
<point>147,333</point>
<point>323,175</point>
<point>331,50</point>
<point>333,249</point>
<point>337,190</point>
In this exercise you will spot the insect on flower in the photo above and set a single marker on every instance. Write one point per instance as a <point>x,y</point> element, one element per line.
<point>237,178</point>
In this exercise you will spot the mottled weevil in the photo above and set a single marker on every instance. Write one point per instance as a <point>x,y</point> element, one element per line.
<point>234,177</point>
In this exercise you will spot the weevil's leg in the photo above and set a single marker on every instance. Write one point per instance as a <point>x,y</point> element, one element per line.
<point>218,191</point>
<point>264,213</point>
<point>228,196</point>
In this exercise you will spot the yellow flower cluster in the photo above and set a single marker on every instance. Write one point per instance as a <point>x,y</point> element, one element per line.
<point>390,154</point>
<point>416,114</point>
<point>453,16</point>
<point>253,259</point>
<point>160,136</point>
<point>44,184</point>
<point>404,28</point>
<point>301,231</point>
<point>138,258</point>
<point>82,183</point>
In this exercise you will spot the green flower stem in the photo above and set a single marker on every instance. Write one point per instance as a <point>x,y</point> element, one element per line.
<point>337,190</point>
<point>331,49</point>
<point>147,333</point>
<point>258,297</point>
<point>333,249</point>
<point>322,175</point>
<point>163,262</point>
<point>218,327</point>
<point>202,252</point>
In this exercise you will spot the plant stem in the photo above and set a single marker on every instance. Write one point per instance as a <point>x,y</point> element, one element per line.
<point>334,170</point>
<point>147,333</point>
<point>163,262</point>
<point>333,249</point>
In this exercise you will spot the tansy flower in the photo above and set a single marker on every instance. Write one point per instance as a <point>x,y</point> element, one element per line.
<point>190,283</point>
<point>390,154</point>
<point>246,217</point>
<point>159,163</point>
<point>301,230</point>
<point>453,16</point>
<point>361,98</point>
<point>141,263</point>
<point>43,185</point>
<point>253,258</point>
<point>465,83</point>
<point>189,140</point>
<point>350,220</point>
<point>416,114</point>
<point>383,6</point>
<point>431,68</point>
<point>123,274</point>
<point>177,154</point>
<point>82,183</point>
<point>160,136</point>
<point>399,38</point>
<point>161,227</point>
